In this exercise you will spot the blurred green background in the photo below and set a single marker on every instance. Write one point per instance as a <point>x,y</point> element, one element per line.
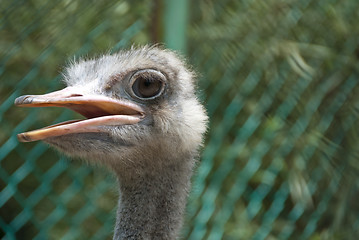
<point>280,82</point>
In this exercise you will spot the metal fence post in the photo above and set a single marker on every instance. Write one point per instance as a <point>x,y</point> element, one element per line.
<point>175,24</point>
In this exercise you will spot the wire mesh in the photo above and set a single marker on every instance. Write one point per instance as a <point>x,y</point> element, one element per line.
<point>279,80</point>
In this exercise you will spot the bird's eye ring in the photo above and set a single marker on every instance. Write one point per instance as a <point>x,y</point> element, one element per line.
<point>147,84</point>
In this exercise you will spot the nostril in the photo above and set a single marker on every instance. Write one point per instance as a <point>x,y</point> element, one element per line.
<point>76,95</point>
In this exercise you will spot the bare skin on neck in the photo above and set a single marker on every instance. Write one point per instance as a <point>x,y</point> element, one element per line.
<point>156,203</point>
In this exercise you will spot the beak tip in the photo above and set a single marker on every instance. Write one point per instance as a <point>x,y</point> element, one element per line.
<point>26,99</point>
<point>21,137</point>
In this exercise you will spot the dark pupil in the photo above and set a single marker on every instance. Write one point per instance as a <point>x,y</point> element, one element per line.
<point>146,87</point>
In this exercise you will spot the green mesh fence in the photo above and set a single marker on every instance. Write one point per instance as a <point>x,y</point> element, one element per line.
<point>280,80</point>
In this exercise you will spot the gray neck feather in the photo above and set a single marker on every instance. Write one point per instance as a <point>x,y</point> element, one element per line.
<point>151,204</point>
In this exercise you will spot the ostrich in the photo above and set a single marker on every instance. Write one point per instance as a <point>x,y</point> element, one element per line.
<point>143,121</point>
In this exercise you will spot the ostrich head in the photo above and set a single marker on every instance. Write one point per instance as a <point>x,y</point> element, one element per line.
<point>143,121</point>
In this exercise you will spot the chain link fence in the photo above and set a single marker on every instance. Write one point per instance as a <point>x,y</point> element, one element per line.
<point>279,80</point>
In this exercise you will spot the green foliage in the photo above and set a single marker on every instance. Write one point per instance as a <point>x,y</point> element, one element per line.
<point>281,81</point>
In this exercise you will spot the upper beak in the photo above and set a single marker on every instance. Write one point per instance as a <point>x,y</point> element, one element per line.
<point>100,110</point>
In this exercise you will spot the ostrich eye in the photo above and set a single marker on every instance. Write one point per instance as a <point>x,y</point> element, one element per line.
<point>147,85</point>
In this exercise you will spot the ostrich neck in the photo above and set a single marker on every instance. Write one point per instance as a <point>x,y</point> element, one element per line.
<point>151,204</point>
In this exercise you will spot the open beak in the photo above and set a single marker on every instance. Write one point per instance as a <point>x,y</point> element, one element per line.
<point>100,111</point>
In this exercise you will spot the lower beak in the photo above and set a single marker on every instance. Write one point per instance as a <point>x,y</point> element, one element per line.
<point>101,111</point>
